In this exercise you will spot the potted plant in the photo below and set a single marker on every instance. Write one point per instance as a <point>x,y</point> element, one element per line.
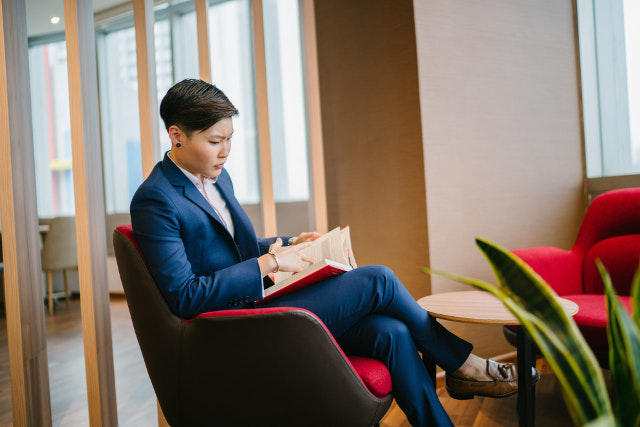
<point>557,336</point>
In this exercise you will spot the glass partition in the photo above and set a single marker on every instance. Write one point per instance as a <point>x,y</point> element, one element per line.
<point>232,70</point>
<point>51,129</point>
<point>287,113</point>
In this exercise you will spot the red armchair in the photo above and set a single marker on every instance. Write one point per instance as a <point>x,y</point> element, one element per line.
<point>274,366</point>
<point>610,231</point>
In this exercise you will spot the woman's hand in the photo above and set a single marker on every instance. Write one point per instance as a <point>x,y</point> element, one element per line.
<point>306,237</point>
<point>289,258</point>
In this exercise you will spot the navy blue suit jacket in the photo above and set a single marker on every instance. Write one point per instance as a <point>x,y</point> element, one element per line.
<point>198,265</point>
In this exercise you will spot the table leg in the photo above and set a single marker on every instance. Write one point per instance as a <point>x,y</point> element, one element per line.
<point>526,386</point>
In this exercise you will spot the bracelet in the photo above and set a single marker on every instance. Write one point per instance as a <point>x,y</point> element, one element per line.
<point>275,257</point>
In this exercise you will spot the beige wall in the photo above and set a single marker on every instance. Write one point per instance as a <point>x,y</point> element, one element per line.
<point>371,132</point>
<point>499,145</point>
<point>501,127</point>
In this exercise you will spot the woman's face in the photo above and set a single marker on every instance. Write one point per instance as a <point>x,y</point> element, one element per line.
<point>204,153</point>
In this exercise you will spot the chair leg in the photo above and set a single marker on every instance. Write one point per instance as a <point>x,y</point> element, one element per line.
<point>66,285</point>
<point>50,291</point>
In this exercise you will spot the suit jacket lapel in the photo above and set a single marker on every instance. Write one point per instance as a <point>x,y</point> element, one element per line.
<point>189,191</point>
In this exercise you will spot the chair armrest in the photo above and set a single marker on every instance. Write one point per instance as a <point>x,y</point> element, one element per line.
<point>245,312</point>
<point>561,269</point>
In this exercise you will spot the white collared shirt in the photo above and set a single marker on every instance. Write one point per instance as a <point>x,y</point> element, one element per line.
<point>213,196</point>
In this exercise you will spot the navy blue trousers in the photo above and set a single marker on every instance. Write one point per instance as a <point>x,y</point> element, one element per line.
<point>371,314</point>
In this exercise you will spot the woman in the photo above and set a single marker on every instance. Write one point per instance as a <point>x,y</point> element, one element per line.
<point>204,255</point>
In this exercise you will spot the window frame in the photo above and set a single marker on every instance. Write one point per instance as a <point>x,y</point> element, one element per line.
<point>605,102</point>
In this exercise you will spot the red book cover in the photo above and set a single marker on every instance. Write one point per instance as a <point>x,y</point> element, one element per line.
<point>315,273</point>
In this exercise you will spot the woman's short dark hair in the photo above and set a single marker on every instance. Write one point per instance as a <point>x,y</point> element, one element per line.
<point>195,105</point>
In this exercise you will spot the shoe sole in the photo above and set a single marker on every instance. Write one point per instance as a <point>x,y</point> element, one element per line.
<point>459,396</point>
<point>464,396</point>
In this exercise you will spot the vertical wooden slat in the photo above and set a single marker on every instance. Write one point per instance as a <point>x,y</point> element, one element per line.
<point>266,176</point>
<point>20,240</point>
<point>143,20</point>
<point>318,200</point>
<point>147,88</point>
<point>90,218</point>
<point>202,23</point>
<point>162,421</point>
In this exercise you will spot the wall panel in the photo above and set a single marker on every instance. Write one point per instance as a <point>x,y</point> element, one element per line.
<point>444,121</point>
<point>372,133</point>
<point>500,104</point>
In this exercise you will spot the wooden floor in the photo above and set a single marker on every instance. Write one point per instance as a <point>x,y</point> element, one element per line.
<point>486,412</point>
<point>136,401</point>
<point>134,394</point>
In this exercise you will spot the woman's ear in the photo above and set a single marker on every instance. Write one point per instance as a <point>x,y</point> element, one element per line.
<point>176,135</point>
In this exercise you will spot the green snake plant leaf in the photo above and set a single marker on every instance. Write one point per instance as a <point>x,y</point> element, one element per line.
<point>603,421</point>
<point>534,303</point>
<point>624,352</point>
<point>635,297</point>
<point>564,347</point>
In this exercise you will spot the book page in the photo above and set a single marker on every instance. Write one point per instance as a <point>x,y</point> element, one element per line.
<point>334,245</point>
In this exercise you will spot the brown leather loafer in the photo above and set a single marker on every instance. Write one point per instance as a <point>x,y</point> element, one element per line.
<point>504,383</point>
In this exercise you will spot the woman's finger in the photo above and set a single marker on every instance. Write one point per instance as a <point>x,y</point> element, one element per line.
<point>276,244</point>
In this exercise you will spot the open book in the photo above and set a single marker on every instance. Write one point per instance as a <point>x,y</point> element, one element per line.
<point>332,255</point>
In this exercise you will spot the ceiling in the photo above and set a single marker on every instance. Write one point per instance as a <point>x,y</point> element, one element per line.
<point>39,13</point>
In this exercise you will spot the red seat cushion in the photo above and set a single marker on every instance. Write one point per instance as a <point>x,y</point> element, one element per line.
<point>374,374</point>
<point>592,317</point>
